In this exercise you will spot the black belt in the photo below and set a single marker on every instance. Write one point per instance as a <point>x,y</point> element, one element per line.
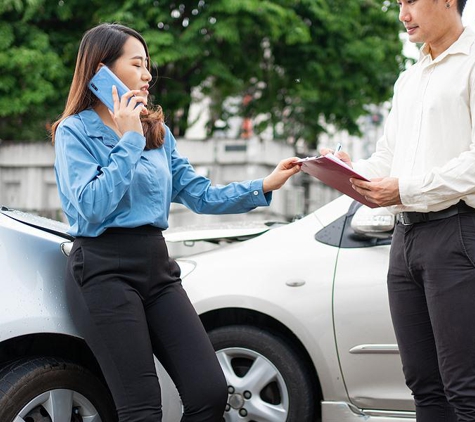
<point>147,229</point>
<point>408,218</point>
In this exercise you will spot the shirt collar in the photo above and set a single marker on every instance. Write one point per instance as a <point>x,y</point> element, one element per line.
<point>462,46</point>
<point>95,127</point>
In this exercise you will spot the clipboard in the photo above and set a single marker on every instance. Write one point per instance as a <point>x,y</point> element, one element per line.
<point>336,174</point>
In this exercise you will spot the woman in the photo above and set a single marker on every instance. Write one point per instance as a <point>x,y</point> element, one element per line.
<point>117,174</point>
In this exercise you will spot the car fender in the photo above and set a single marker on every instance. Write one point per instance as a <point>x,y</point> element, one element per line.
<point>32,283</point>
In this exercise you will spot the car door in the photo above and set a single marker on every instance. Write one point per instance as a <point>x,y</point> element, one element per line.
<point>365,340</point>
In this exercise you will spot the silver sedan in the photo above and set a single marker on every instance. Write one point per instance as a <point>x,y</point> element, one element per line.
<point>298,315</point>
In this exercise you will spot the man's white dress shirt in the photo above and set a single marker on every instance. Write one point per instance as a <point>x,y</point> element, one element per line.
<point>429,136</point>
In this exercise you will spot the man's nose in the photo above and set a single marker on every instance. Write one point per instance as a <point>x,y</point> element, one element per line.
<point>404,14</point>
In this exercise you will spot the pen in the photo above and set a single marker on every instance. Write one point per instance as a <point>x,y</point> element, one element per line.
<point>338,147</point>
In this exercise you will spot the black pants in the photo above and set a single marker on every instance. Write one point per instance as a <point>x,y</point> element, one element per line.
<point>431,283</point>
<point>126,298</point>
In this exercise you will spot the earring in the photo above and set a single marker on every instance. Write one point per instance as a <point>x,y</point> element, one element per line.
<point>447,5</point>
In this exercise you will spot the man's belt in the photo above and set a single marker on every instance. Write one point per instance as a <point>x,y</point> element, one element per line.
<point>408,218</point>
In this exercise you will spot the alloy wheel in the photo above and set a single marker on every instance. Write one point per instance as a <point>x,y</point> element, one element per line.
<point>59,406</point>
<point>256,389</point>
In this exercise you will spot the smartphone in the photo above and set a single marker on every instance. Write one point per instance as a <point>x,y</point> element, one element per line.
<point>101,85</point>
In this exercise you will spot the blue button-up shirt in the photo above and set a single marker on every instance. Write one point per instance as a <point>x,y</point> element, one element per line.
<point>105,181</point>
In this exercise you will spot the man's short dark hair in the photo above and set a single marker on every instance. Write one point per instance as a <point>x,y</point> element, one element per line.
<point>461,5</point>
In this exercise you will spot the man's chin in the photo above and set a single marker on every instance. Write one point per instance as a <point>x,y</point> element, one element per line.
<point>415,38</point>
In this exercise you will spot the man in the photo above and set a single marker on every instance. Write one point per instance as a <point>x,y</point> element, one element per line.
<point>424,169</point>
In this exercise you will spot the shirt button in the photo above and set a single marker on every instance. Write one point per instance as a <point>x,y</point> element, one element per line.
<point>255,193</point>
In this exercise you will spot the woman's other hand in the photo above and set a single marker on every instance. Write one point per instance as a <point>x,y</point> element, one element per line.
<point>281,174</point>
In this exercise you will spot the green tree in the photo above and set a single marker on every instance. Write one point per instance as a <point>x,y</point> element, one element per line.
<point>215,45</point>
<point>302,63</point>
<point>38,43</point>
<point>352,61</point>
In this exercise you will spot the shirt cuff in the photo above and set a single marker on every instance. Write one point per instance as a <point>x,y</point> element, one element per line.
<point>134,139</point>
<point>410,191</point>
<point>258,197</point>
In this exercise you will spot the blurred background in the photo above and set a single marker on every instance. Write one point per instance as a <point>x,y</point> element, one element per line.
<point>243,84</point>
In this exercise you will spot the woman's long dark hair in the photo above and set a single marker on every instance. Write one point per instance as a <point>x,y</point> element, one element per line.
<point>104,44</point>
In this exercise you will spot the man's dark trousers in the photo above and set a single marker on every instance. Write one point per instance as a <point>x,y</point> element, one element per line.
<point>431,283</point>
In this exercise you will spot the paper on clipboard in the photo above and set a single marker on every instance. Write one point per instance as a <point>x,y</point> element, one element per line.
<point>335,173</point>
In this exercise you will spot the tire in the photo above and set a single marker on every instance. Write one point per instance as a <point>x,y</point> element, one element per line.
<point>267,380</point>
<point>52,390</point>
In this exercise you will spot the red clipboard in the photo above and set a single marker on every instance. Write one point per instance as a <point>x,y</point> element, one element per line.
<point>335,173</point>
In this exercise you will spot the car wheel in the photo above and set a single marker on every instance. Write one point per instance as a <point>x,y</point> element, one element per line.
<point>267,381</point>
<point>52,390</point>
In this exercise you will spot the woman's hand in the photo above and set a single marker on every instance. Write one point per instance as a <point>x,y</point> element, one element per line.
<point>127,110</point>
<point>281,174</point>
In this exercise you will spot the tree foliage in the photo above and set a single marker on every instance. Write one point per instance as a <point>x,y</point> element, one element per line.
<point>300,64</point>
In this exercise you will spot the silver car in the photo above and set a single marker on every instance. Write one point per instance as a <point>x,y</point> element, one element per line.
<point>298,315</point>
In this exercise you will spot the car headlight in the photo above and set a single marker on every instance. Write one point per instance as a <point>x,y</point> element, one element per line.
<point>66,248</point>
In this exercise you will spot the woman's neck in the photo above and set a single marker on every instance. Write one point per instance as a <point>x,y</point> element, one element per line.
<point>106,118</point>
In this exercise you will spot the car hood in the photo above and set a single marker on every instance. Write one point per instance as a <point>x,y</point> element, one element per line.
<point>215,233</point>
<point>42,223</point>
<point>220,232</point>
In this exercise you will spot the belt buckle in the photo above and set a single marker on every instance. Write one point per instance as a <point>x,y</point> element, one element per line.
<point>403,220</point>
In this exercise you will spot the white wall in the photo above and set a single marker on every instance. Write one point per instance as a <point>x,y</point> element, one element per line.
<point>27,179</point>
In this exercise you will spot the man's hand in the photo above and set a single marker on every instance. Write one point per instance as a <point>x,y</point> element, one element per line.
<point>382,191</point>
<point>343,156</point>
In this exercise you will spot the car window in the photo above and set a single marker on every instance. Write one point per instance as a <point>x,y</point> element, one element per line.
<point>340,234</point>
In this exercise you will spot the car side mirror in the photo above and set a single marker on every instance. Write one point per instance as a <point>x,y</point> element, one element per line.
<point>373,222</point>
